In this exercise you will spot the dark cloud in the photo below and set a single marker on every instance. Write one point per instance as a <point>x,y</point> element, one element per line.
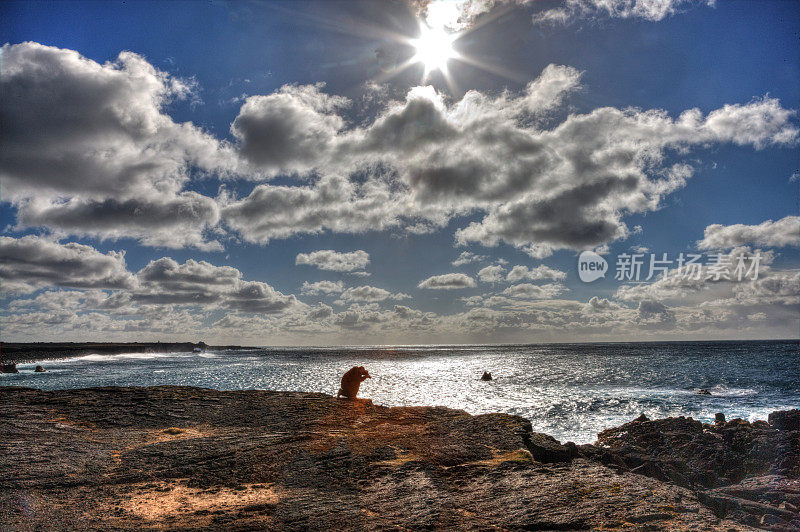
<point>174,222</point>
<point>33,262</point>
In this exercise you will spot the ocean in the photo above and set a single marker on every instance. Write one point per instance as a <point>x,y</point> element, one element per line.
<point>570,391</point>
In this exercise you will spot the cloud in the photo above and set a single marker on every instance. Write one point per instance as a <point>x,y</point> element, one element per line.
<point>425,160</point>
<point>328,259</point>
<point>33,262</point>
<point>599,305</point>
<point>491,274</point>
<point>288,130</point>
<point>322,287</point>
<point>467,257</point>
<point>533,291</point>
<point>199,283</point>
<point>114,165</point>
<point>174,222</point>
<point>651,10</point>
<point>784,232</point>
<point>448,281</point>
<point>88,146</point>
<point>334,203</point>
<point>655,313</point>
<point>370,293</point>
<point>542,272</point>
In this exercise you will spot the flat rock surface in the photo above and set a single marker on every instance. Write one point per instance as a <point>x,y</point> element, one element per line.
<point>182,458</point>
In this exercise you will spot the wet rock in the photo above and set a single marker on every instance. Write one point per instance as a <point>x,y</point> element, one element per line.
<point>486,376</point>
<point>703,392</point>
<point>787,420</point>
<point>9,368</point>
<point>39,369</point>
<point>719,417</point>
<point>642,418</point>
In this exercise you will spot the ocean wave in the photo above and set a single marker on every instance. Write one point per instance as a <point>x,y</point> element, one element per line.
<point>721,390</point>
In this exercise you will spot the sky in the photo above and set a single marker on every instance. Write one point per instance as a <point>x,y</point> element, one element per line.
<point>399,172</point>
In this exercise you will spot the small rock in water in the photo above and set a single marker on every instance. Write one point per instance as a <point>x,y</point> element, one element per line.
<point>719,417</point>
<point>704,392</point>
<point>9,368</point>
<point>39,369</point>
<point>486,376</point>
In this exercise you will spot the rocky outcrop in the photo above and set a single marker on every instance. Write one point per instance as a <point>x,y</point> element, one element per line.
<point>739,469</point>
<point>179,457</point>
<point>9,368</point>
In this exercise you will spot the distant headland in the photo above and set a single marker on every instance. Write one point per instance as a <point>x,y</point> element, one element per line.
<point>30,352</point>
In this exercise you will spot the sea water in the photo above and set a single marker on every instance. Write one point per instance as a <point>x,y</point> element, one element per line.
<point>571,391</point>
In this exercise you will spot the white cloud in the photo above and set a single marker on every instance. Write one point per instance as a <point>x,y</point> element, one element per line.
<point>448,281</point>
<point>784,232</point>
<point>328,259</point>
<point>533,291</point>
<point>491,274</point>
<point>322,287</point>
<point>289,130</point>
<point>467,257</point>
<point>539,273</point>
<point>199,283</point>
<point>652,10</point>
<point>370,293</point>
<point>113,154</point>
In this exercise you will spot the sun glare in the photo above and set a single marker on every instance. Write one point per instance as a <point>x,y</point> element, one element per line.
<point>434,48</point>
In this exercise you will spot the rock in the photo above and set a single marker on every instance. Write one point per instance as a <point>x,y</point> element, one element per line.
<point>692,454</point>
<point>486,376</point>
<point>789,507</point>
<point>545,448</point>
<point>169,456</point>
<point>642,418</point>
<point>703,392</point>
<point>719,417</point>
<point>39,369</point>
<point>770,520</point>
<point>9,368</point>
<point>787,420</point>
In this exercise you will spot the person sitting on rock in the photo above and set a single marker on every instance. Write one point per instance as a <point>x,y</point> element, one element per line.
<point>351,382</point>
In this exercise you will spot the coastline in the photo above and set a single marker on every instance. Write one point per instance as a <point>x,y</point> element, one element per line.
<point>182,457</point>
<point>20,352</point>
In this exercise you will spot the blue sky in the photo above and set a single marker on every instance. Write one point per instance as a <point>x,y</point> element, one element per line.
<point>228,55</point>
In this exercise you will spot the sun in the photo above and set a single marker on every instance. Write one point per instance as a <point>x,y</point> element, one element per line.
<point>434,48</point>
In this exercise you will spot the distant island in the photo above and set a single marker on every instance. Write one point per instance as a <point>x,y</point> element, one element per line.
<point>30,352</point>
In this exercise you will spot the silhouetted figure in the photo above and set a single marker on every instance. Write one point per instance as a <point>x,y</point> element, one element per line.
<point>351,382</point>
<point>486,376</point>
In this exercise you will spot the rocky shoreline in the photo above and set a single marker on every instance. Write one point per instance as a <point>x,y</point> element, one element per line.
<point>183,458</point>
